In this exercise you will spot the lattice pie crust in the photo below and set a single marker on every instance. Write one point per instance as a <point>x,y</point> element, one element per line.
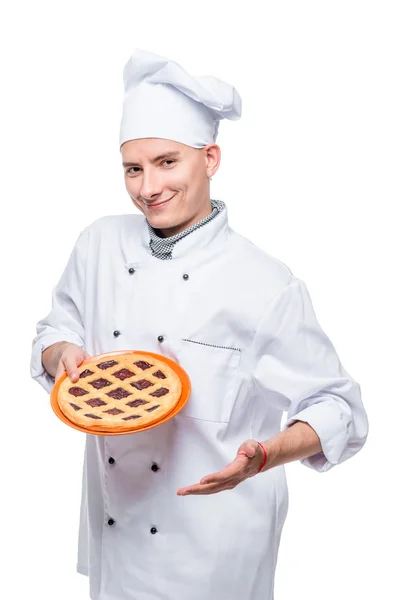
<point>120,392</point>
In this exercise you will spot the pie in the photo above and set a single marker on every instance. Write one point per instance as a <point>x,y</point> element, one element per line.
<point>120,392</point>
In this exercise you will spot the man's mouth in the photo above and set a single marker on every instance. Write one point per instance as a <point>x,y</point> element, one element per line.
<point>158,204</point>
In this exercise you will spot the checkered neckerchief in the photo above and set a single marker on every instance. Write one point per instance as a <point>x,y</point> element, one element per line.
<point>162,247</point>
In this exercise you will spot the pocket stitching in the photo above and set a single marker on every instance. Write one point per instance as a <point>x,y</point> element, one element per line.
<point>211,345</point>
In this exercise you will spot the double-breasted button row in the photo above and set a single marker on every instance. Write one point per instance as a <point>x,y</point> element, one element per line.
<point>154,467</point>
<point>131,271</point>
<point>111,522</point>
<point>117,333</point>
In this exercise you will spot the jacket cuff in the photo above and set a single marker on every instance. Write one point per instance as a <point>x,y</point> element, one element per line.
<point>329,423</point>
<point>38,371</point>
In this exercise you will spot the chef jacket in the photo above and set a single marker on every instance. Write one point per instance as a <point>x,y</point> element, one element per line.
<point>244,329</point>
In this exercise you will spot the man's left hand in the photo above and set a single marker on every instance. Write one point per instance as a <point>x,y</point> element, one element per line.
<point>246,464</point>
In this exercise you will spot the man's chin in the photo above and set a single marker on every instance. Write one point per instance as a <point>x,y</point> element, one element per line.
<point>167,228</point>
<point>161,222</point>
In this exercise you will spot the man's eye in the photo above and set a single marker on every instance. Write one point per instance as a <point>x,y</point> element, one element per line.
<point>131,170</point>
<point>169,161</point>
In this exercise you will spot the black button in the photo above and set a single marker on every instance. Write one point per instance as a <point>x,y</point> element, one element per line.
<point>111,522</point>
<point>186,276</point>
<point>131,270</point>
<point>154,467</point>
<point>111,460</point>
<point>153,530</point>
<point>117,333</point>
<point>160,338</point>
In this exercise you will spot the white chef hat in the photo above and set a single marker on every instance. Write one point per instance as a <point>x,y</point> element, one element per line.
<point>163,101</point>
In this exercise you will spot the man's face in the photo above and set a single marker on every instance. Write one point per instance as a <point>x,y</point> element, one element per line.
<point>169,181</point>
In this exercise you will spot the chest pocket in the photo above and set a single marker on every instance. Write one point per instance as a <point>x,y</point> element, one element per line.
<point>213,372</point>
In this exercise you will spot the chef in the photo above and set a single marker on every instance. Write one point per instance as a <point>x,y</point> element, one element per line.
<point>193,509</point>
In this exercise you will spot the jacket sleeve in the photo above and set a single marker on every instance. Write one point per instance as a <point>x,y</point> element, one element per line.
<point>297,369</point>
<point>65,321</point>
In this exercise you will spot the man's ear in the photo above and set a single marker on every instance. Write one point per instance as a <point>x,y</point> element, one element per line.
<point>212,157</point>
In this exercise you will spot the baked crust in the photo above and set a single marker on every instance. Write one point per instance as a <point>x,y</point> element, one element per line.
<point>120,392</point>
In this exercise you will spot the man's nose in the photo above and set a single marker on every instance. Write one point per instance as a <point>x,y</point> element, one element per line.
<point>151,186</point>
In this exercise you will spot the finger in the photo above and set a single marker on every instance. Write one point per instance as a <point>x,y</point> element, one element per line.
<point>232,470</point>
<point>71,368</point>
<point>221,477</point>
<point>205,490</point>
<point>86,355</point>
<point>60,371</point>
<point>248,449</point>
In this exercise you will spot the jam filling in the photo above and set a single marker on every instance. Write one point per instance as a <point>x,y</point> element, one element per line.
<point>100,383</point>
<point>152,408</point>
<point>113,411</point>
<point>142,384</point>
<point>77,391</point>
<point>75,407</point>
<point>85,373</point>
<point>160,375</point>
<point>142,364</point>
<point>95,402</point>
<point>160,392</point>
<point>118,394</point>
<point>123,374</point>
<point>107,364</point>
<point>130,417</point>
<point>136,403</point>
<point>92,416</point>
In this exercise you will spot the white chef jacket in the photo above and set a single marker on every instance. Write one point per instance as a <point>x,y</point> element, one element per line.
<point>244,329</point>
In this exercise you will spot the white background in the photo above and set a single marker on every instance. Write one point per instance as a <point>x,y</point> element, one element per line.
<point>310,174</point>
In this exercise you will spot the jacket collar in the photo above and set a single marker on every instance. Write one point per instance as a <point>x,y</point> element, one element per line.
<point>203,240</point>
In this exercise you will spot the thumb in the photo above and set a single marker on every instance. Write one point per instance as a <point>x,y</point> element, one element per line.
<point>60,371</point>
<point>248,449</point>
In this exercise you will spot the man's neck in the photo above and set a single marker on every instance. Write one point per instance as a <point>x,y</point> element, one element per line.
<point>171,231</point>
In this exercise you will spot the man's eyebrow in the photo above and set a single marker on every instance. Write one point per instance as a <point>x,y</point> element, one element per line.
<point>172,154</point>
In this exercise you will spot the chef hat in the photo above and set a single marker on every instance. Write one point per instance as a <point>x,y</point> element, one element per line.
<point>163,101</point>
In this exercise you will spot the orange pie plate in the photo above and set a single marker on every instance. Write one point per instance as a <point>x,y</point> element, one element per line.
<point>183,376</point>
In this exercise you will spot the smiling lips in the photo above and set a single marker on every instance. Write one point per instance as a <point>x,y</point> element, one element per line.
<point>159,204</point>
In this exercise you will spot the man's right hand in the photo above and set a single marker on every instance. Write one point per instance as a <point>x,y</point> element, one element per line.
<point>64,357</point>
